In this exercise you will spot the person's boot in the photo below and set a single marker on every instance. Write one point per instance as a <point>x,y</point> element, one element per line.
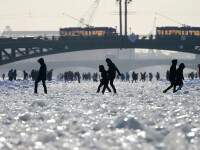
<point>45,91</point>
<point>165,91</point>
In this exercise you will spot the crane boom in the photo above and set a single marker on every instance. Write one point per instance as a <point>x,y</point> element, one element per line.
<point>76,19</point>
<point>184,25</point>
<point>88,16</point>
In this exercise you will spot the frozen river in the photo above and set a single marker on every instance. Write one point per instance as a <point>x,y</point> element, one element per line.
<point>73,116</point>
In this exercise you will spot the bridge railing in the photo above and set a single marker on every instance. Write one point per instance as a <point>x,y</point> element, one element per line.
<point>56,37</point>
<point>49,38</point>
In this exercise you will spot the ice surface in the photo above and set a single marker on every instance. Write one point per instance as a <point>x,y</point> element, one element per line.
<point>73,116</point>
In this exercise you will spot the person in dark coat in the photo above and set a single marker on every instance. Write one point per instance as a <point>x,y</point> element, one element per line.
<point>103,80</point>
<point>10,75</point>
<point>25,75</point>
<point>112,73</point>
<point>49,75</point>
<point>157,76</point>
<point>150,76</point>
<point>179,76</point>
<point>172,76</point>
<point>3,76</point>
<point>199,70</point>
<point>41,75</point>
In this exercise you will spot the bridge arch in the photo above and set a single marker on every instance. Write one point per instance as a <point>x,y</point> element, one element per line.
<point>12,50</point>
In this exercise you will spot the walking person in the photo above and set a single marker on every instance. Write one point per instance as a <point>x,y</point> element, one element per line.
<point>179,76</point>
<point>172,76</point>
<point>112,73</point>
<point>103,80</point>
<point>41,76</point>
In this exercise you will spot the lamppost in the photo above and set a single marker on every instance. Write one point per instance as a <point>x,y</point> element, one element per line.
<point>126,3</point>
<point>120,16</point>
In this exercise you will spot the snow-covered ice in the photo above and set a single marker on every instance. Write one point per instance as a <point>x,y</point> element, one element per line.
<point>73,116</point>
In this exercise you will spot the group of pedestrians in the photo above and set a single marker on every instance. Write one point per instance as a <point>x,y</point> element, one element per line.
<point>175,76</point>
<point>108,76</point>
<point>12,75</point>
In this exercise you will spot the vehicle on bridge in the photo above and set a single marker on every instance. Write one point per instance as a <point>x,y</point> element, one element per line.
<point>87,32</point>
<point>185,32</point>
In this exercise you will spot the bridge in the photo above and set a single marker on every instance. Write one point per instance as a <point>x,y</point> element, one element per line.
<point>12,49</point>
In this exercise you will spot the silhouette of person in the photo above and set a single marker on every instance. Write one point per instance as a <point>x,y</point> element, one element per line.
<point>134,76</point>
<point>103,80</point>
<point>179,76</point>
<point>79,77</point>
<point>112,73</point>
<point>15,74</point>
<point>127,76</point>
<point>10,75</point>
<point>41,75</point>
<point>157,76</point>
<point>172,76</point>
<point>49,75</point>
<point>150,76</point>
<point>143,76</point>
<point>199,70</point>
<point>122,77</point>
<point>25,75</point>
<point>192,75</point>
<point>3,76</point>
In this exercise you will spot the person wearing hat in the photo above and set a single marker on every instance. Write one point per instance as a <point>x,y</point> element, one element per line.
<point>172,76</point>
<point>41,76</point>
<point>179,76</point>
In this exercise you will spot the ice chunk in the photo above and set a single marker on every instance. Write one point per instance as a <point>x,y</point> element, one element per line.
<point>38,103</point>
<point>25,117</point>
<point>130,123</point>
<point>47,137</point>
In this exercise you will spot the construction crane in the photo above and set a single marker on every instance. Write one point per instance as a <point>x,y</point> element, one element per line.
<point>75,19</point>
<point>89,15</point>
<point>154,27</point>
<point>184,25</point>
<point>6,29</point>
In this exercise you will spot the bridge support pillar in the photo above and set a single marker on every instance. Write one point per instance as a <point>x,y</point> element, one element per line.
<point>133,53</point>
<point>13,54</point>
<point>1,55</point>
<point>41,50</point>
<point>27,51</point>
<point>197,59</point>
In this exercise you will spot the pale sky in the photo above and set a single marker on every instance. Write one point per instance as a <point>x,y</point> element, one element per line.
<point>32,15</point>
